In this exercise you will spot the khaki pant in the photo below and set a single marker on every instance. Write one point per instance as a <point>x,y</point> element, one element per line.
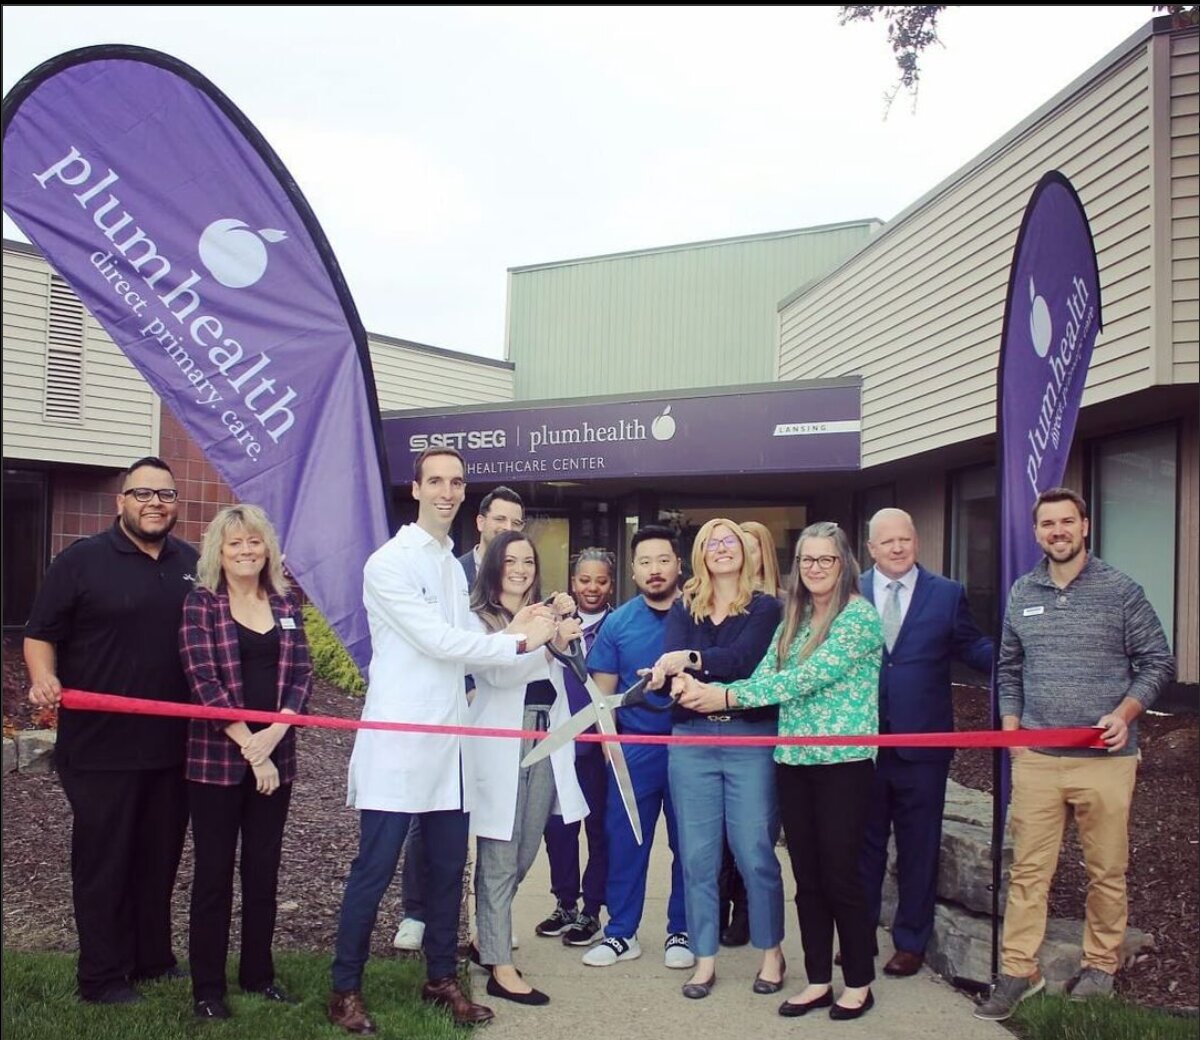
<point>1047,790</point>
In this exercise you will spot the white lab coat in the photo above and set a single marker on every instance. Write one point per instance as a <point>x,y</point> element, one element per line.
<point>424,640</point>
<point>491,765</point>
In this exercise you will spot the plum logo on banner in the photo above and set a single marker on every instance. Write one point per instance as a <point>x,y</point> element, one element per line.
<point>185,236</point>
<point>1062,363</point>
<point>194,336</point>
<point>234,255</point>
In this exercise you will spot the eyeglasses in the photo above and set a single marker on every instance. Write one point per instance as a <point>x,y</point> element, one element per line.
<point>728,542</point>
<point>507,523</point>
<point>824,563</point>
<point>165,495</point>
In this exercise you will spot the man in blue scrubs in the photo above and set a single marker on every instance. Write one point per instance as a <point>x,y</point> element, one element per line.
<point>632,639</point>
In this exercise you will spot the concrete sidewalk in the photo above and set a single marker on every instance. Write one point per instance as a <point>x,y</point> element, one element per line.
<point>641,998</point>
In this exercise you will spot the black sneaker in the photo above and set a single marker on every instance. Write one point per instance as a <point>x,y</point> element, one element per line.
<point>585,931</point>
<point>558,922</point>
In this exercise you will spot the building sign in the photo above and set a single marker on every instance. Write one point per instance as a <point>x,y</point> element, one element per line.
<point>788,428</point>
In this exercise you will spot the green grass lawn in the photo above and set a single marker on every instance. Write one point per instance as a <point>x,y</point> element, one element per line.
<point>39,1003</point>
<point>1057,1018</point>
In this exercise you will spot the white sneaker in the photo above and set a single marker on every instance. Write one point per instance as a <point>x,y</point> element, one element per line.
<point>612,950</point>
<point>410,934</point>
<point>678,951</point>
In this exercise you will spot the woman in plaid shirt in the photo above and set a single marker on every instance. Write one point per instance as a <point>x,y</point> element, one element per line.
<point>243,646</point>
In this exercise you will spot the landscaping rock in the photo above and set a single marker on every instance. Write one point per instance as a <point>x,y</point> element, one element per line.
<point>961,947</point>
<point>35,750</point>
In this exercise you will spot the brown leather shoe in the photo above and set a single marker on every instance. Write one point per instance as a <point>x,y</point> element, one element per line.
<point>350,1012</point>
<point>446,993</point>
<point>904,963</point>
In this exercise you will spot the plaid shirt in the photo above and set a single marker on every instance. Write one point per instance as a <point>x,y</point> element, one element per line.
<point>208,645</point>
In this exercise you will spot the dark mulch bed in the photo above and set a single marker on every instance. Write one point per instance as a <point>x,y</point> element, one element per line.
<point>321,840</point>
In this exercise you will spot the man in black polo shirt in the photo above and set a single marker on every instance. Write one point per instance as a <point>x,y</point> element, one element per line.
<point>106,620</point>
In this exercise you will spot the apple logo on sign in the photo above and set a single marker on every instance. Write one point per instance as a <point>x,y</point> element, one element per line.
<point>234,253</point>
<point>663,427</point>
<point>1041,328</point>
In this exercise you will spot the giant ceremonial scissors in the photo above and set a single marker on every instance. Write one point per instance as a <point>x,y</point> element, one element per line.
<point>599,714</point>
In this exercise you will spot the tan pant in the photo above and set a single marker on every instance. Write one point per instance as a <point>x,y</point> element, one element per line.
<point>1047,789</point>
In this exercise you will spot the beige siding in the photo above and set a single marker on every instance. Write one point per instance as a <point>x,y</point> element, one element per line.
<point>119,414</point>
<point>929,292</point>
<point>407,376</point>
<point>1185,208</point>
<point>1187,582</point>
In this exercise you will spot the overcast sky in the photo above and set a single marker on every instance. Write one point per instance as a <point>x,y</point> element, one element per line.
<point>441,146</point>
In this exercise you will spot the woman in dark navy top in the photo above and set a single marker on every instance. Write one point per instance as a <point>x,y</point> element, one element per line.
<point>722,627</point>
<point>243,646</point>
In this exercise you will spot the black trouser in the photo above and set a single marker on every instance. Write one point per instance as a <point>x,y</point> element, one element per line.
<point>126,839</point>
<point>824,812</point>
<point>219,814</point>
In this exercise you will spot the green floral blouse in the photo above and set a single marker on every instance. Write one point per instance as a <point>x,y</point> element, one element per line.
<point>834,691</point>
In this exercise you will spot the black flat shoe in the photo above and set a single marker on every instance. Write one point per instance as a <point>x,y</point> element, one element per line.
<point>216,1008</point>
<point>794,1009</point>
<point>274,993</point>
<point>699,990</point>
<point>766,988</point>
<point>844,1014</point>
<point>535,998</point>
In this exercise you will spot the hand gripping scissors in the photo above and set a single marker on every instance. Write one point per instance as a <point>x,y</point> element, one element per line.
<point>599,714</point>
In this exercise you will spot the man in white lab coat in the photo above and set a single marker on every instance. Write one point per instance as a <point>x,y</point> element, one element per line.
<point>415,593</point>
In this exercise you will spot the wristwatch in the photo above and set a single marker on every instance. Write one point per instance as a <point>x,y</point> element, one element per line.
<point>522,644</point>
<point>693,659</point>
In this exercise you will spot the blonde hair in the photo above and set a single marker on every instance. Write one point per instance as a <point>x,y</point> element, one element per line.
<point>768,578</point>
<point>798,605</point>
<point>699,595</point>
<point>209,572</point>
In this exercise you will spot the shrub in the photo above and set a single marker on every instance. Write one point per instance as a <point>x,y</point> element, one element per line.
<point>330,660</point>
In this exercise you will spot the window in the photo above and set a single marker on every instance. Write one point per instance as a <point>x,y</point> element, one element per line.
<point>973,544</point>
<point>867,503</point>
<point>1133,511</point>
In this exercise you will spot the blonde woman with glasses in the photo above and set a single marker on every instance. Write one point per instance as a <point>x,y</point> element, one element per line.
<point>823,672</point>
<point>719,630</point>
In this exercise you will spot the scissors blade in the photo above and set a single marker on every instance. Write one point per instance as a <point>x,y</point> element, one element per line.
<point>620,768</point>
<point>583,719</point>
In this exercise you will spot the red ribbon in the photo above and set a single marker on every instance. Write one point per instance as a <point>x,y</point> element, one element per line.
<point>1078,737</point>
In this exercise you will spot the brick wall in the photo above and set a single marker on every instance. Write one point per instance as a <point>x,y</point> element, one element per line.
<point>84,503</point>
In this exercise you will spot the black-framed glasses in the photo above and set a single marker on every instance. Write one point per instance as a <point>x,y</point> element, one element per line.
<point>825,563</point>
<point>165,495</point>
<point>730,541</point>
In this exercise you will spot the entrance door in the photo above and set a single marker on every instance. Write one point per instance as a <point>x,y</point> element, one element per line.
<point>551,535</point>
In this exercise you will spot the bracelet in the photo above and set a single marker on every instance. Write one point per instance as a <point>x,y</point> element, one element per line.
<point>727,708</point>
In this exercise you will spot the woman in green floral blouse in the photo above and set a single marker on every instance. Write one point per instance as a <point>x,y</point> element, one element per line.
<point>823,672</point>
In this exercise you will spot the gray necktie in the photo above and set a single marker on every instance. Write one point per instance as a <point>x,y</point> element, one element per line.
<point>891,614</point>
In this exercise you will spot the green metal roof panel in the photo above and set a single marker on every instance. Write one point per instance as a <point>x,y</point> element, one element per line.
<point>693,315</point>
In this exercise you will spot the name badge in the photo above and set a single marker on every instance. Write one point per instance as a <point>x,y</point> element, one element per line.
<point>1032,611</point>
<point>287,622</point>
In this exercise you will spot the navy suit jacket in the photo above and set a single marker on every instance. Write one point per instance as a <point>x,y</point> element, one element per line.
<point>470,568</point>
<point>914,681</point>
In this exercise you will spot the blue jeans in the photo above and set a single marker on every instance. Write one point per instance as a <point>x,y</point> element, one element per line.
<point>628,862</point>
<point>727,790</point>
<point>381,837</point>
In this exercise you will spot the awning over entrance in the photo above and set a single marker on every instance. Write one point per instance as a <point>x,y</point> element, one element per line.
<point>802,426</point>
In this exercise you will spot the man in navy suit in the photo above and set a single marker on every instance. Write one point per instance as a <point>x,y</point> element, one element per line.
<point>926,625</point>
